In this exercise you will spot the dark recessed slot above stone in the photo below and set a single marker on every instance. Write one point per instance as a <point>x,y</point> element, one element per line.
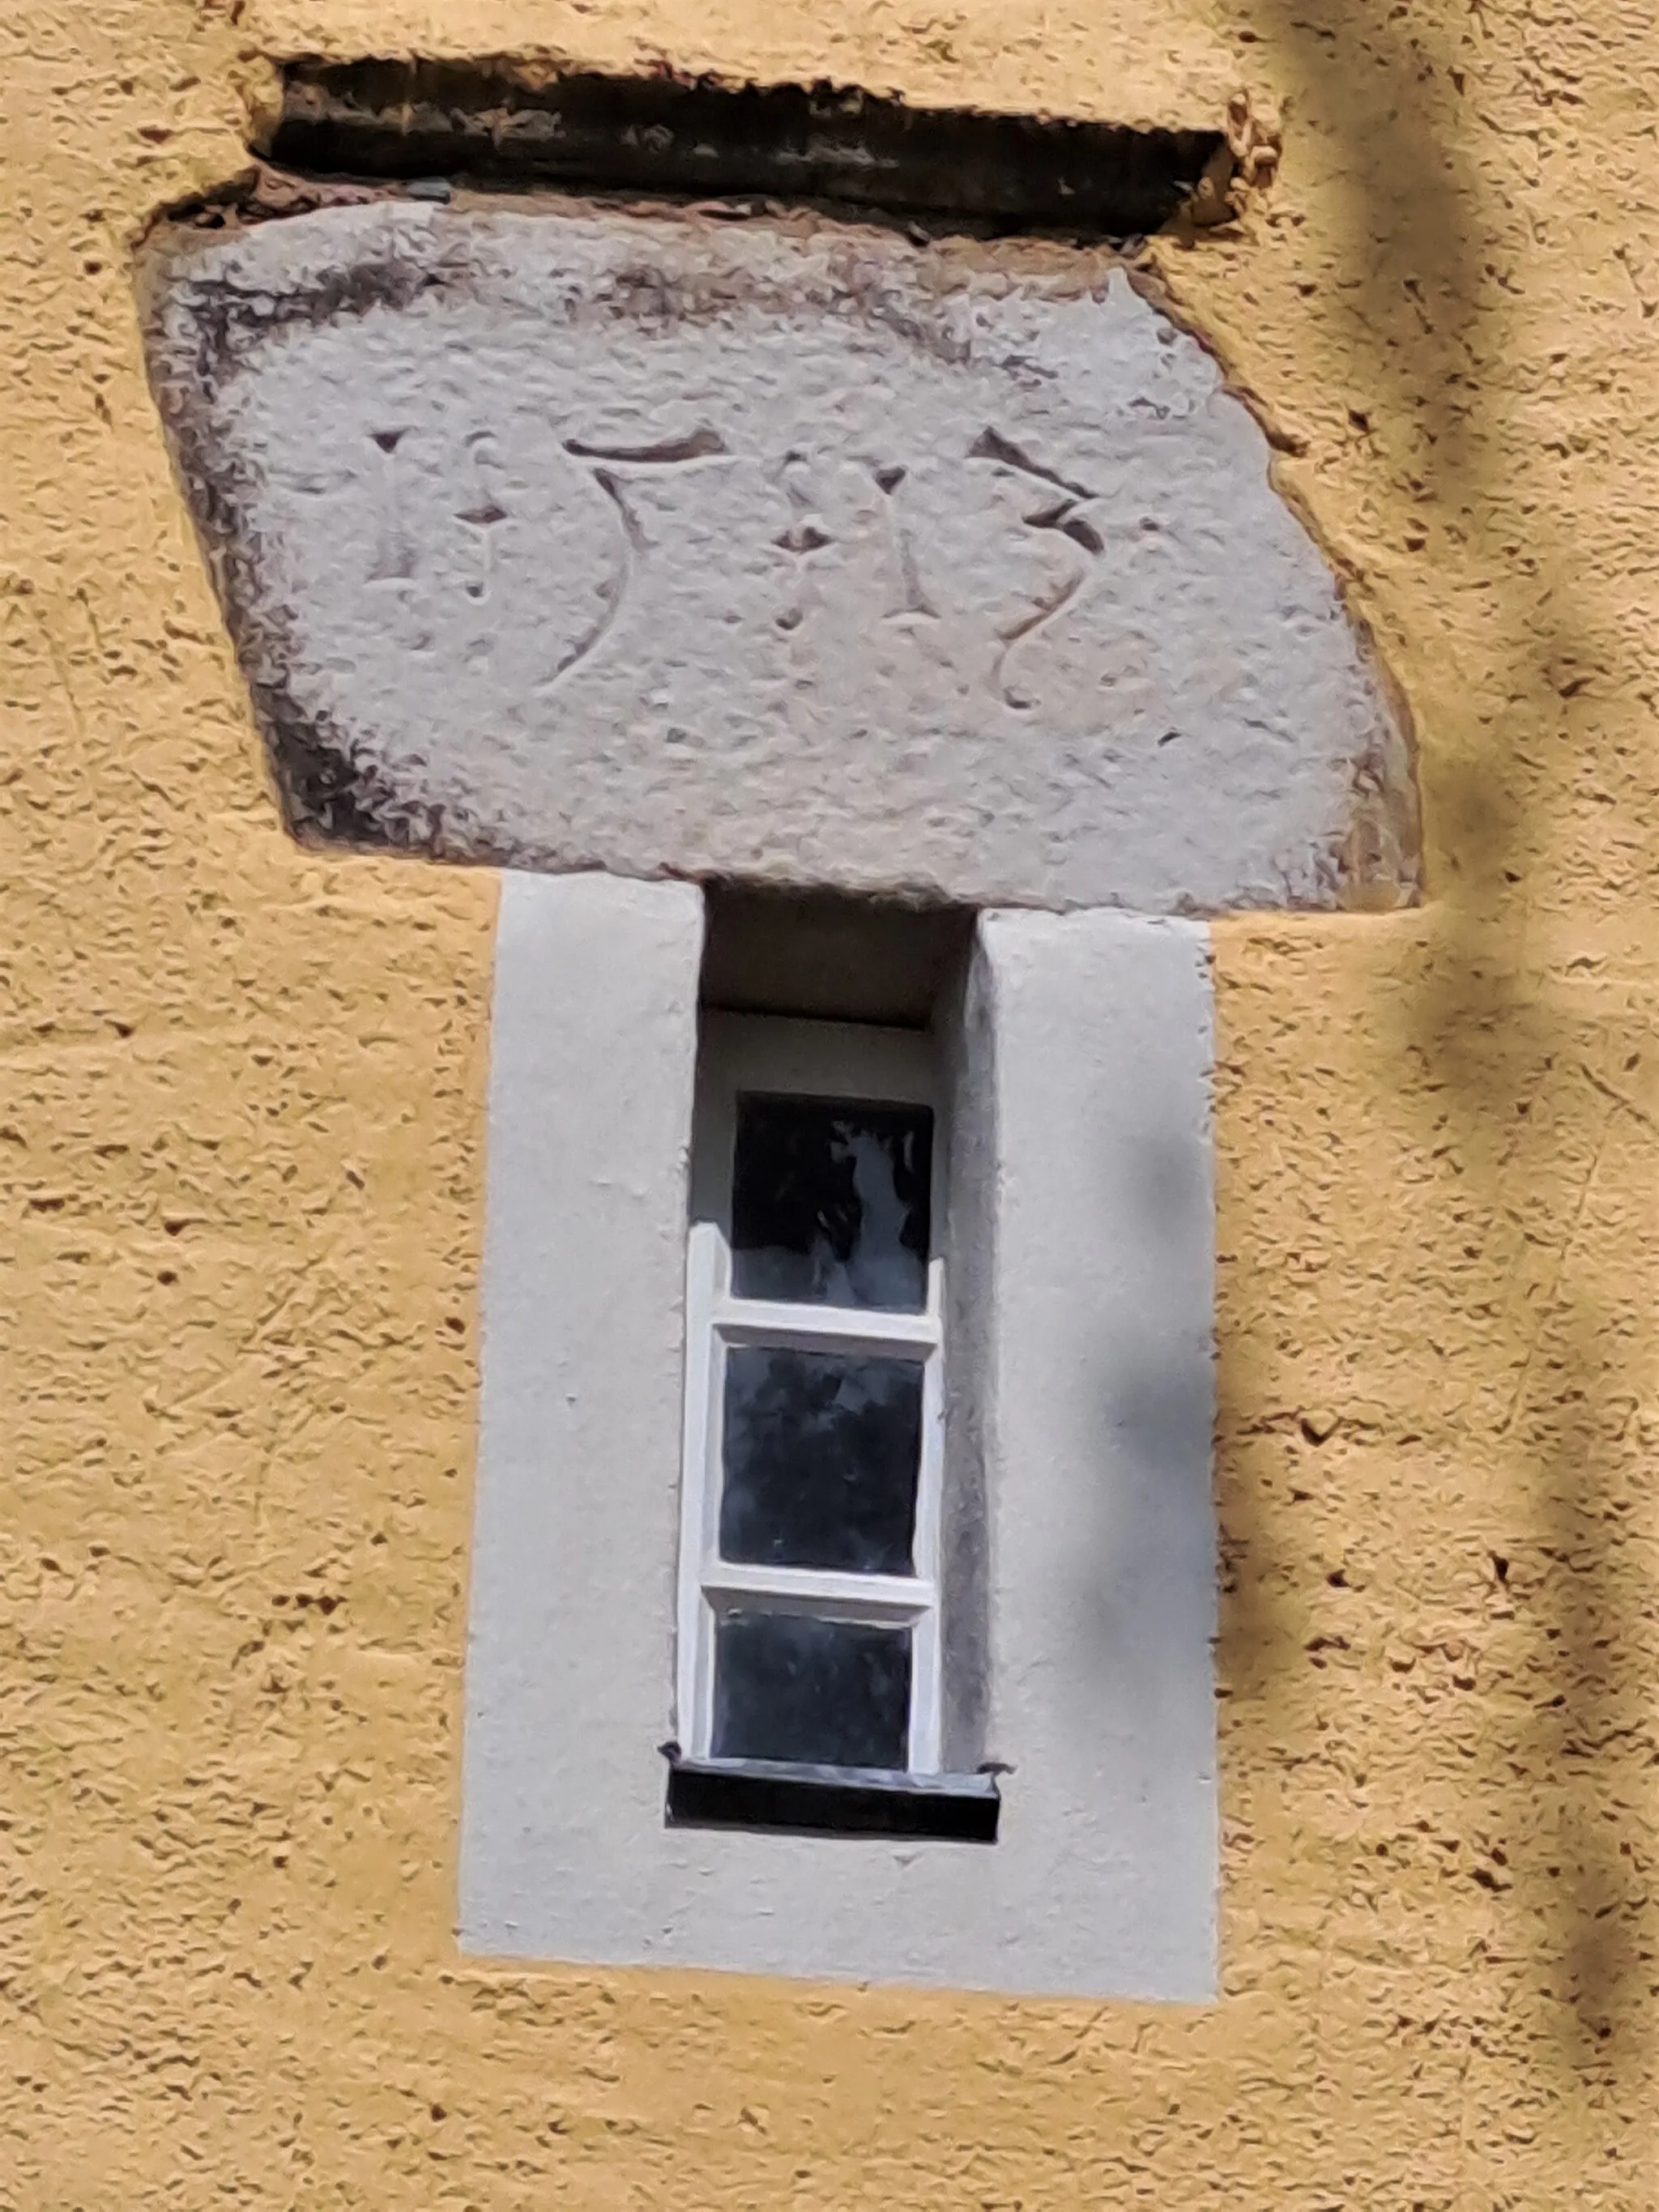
<point>492,124</point>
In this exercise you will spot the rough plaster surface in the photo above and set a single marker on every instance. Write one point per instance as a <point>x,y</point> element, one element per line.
<point>795,553</point>
<point>1025,56</point>
<point>240,1159</point>
<point>1095,1266</point>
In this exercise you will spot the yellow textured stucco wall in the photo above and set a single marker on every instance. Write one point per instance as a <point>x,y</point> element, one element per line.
<point>240,1126</point>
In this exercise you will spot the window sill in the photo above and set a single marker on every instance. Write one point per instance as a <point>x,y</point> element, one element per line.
<point>838,1801</point>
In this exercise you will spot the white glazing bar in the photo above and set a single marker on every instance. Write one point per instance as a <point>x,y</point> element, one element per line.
<point>756,1321</point>
<point>699,1487</point>
<point>926,1657</point>
<point>818,1589</point>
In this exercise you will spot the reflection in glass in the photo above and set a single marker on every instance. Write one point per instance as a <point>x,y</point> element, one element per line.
<point>818,1693</point>
<point>829,1202</point>
<point>821,1456</point>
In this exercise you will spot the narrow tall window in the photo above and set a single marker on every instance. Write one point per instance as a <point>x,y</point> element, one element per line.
<point>810,1635</point>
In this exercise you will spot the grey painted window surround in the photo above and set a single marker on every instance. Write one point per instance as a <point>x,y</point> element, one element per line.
<point>1081,1304</point>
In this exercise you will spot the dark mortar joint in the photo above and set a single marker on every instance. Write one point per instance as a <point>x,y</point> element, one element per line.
<point>492,124</point>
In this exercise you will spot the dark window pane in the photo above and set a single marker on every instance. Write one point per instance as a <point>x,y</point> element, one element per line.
<point>822,1450</point>
<point>829,1202</point>
<point>821,1692</point>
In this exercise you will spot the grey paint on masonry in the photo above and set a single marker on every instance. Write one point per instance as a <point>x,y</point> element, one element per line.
<point>1088,1202</point>
<point>784,550</point>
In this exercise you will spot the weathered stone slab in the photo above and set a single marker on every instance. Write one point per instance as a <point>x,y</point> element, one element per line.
<point>566,537</point>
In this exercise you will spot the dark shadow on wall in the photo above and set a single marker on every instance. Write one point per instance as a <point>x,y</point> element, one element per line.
<point>1421,294</point>
<point>497,124</point>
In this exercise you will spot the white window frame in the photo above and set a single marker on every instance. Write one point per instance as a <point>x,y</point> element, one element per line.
<point>812,1059</point>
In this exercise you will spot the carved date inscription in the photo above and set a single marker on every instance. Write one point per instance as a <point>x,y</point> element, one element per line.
<point>884,538</point>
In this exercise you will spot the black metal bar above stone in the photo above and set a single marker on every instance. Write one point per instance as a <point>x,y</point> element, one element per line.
<point>760,1793</point>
